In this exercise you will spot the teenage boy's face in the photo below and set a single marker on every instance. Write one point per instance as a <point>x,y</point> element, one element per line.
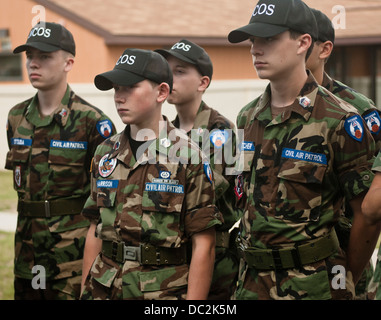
<point>186,81</point>
<point>136,104</point>
<point>274,57</point>
<point>47,69</point>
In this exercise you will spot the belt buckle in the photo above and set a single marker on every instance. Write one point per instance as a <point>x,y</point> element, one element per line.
<point>47,209</point>
<point>132,253</point>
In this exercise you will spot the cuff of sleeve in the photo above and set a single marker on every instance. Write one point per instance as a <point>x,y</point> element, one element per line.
<point>201,219</point>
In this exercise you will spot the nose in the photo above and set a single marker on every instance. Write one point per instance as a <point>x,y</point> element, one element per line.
<point>32,62</point>
<point>256,49</point>
<point>119,98</point>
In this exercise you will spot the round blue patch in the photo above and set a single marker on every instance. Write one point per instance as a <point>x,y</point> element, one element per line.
<point>218,138</point>
<point>373,122</point>
<point>208,172</point>
<point>104,128</point>
<point>354,127</point>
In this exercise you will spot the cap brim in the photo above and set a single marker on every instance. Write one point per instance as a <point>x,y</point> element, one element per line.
<point>105,81</point>
<point>37,45</point>
<point>257,29</point>
<point>175,54</point>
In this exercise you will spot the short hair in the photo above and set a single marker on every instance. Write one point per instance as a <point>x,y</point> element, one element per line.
<point>295,34</point>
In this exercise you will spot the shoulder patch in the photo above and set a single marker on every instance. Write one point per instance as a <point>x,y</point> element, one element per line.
<point>208,172</point>
<point>218,138</point>
<point>354,127</point>
<point>104,128</point>
<point>373,122</point>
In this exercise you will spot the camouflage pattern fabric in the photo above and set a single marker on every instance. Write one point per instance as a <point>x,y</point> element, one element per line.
<point>51,158</point>
<point>215,135</point>
<point>161,199</point>
<point>296,171</point>
<point>371,116</point>
<point>365,106</point>
<point>374,282</point>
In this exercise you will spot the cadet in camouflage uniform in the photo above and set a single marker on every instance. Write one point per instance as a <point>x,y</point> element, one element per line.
<point>371,206</point>
<point>192,71</point>
<point>315,63</point>
<point>52,138</point>
<point>304,150</point>
<point>149,198</point>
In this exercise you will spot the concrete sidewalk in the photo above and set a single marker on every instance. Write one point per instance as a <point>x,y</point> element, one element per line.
<point>8,221</point>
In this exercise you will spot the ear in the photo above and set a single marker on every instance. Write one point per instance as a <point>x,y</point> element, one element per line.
<point>163,92</point>
<point>305,41</point>
<point>69,62</point>
<point>326,50</point>
<point>204,83</point>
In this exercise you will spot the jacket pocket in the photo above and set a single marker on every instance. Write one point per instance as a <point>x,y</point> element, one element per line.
<point>68,171</point>
<point>299,195</point>
<point>162,221</point>
<point>166,283</point>
<point>17,160</point>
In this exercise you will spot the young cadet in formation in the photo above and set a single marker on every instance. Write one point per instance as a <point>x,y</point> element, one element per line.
<point>371,206</point>
<point>192,71</point>
<point>152,193</point>
<point>52,138</point>
<point>304,152</point>
<point>315,63</point>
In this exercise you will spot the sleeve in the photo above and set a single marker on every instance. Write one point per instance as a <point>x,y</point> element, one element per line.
<point>377,163</point>
<point>354,151</point>
<point>103,129</point>
<point>90,209</point>
<point>201,213</point>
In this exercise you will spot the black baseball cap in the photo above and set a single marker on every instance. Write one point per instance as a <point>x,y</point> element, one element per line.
<point>133,66</point>
<point>272,17</point>
<point>190,52</point>
<point>326,32</point>
<point>49,37</point>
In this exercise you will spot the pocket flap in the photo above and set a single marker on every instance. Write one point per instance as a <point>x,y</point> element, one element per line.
<point>302,171</point>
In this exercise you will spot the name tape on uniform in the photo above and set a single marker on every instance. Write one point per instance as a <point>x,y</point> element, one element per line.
<point>21,142</point>
<point>82,145</point>
<point>111,184</point>
<point>304,155</point>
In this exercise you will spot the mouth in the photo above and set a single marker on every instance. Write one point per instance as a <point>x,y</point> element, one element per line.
<point>34,76</point>
<point>122,110</point>
<point>259,64</point>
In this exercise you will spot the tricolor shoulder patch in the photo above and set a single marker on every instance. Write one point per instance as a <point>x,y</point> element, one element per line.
<point>354,127</point>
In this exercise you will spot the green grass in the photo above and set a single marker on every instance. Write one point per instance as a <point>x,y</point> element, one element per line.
<point>6,265</point>
<point>8,196</point>
<point>8,203</point>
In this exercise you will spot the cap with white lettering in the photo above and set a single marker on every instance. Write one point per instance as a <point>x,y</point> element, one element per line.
<point>272,17</point>
<point>326,32</point>
<point>49,37</point>
<point>192,53</point>
<point>133,66</point>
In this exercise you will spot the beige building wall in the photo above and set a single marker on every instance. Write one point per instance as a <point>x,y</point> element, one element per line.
<point>92,54</point>
<point>228,97</point>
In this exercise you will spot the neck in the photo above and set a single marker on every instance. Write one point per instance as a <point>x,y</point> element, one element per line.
<point>187,114</point>
<point>50,100</point>
<point>319,76</point>
<point>285,91</point>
